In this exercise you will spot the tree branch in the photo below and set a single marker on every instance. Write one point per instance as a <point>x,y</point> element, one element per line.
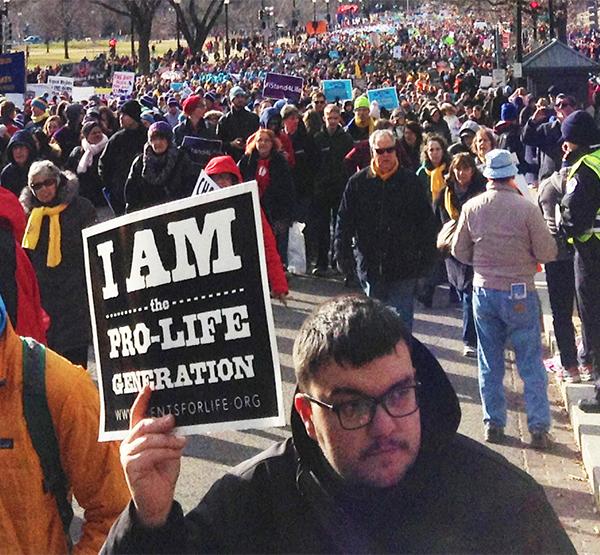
<point>111,8</point>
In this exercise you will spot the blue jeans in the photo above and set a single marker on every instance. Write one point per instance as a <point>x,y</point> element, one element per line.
<point>399,294</point>
<point>499,318</point>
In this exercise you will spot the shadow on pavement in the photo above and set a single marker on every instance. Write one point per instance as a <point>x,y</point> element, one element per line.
<point>218,450</point>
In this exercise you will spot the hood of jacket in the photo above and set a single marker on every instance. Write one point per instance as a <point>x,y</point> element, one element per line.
<point>23,138</point>
<point>223,164</point>
<point>440,417</point>
<point>11,213</point>
<point>68,189</point>
<point>267,115</point>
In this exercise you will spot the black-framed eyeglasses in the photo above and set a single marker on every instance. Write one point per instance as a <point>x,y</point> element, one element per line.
<point>46,183</point>
<point>386,150</point>
<point>398,401</point>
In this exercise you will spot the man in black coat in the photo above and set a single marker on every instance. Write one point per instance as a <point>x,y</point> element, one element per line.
<point>237,125</point>
<point>375,464</point>
<point>386,211</point>
<point>120,152</point>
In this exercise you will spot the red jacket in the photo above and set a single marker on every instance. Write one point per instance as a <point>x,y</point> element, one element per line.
<point>31,319</point>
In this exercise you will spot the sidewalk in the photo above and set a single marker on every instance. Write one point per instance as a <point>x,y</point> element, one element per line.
<point>580,467</point>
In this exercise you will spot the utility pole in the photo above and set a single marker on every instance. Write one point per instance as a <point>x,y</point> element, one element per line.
<point>551,22</point>
<point>519,31</point>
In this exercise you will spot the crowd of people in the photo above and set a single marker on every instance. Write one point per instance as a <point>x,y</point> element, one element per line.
<point>459,185</point>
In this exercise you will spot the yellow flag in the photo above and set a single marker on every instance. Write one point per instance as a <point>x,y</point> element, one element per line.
<point>357,70</point>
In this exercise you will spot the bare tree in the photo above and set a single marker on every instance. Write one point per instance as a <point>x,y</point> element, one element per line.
<point>142,14</point>
<point>196,19</point>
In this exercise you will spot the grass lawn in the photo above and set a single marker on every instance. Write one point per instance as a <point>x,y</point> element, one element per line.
<point>79,49</point>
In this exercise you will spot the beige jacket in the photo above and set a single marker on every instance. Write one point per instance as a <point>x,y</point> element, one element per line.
<point>503,236</point>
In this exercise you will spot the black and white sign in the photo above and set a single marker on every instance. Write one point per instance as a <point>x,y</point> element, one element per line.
<point>180,300</point>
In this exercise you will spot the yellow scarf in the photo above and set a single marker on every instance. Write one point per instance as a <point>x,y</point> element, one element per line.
<point>383,176</point>
<point>362,123</point>
<point>436,180</point>
<point>449,205</point>
<point>40,118</point>
<point>34,226</point>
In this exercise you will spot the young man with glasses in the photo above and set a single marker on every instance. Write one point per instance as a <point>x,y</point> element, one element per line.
<point>375,464</point>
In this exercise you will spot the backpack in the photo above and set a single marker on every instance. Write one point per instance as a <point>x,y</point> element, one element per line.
<point>41,429</point>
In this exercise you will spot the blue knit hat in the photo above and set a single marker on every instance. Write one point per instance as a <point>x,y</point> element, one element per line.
<point>579,128</point>
<point>39,103</point>
<point>148,101</point>
<point>508,112</point>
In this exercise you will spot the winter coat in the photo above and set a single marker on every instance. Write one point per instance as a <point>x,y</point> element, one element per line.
<point>29,514</point>
<point>509,138</point>
<point>279,199</point>
<point>13,176</point>
<point>63,287</point>
<point>90,184</point>
<point>502,250</point>
<point>236,124</point>
<point>308,159</point>
<point>18,283</point>
<point>186,129</point>
<point>550,194</point>
<point>115,163</point>
<point>68,137</point>
<point>289,500</point>
<point>332,174</point>
<point>546,137</point>
<point>393,226</point>
<point>156,179</point>
<point>460,275</point>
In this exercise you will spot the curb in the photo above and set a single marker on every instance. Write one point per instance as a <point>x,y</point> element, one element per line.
<point>586,427</point>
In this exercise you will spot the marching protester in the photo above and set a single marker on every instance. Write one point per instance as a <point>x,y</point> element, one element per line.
<point>21,153</point>
<point>55,454</point>
<point>374,464</point>
<point>56,216</point>
<point>504,253</point>
<point>238,124</point>
<point>161,173</point>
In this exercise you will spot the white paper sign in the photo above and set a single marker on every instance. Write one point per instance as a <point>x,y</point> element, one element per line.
<point>122,83</point>
<point>60,84</point>
<point>397,52</point>
<point>82,93</point>
<point>204,184</point>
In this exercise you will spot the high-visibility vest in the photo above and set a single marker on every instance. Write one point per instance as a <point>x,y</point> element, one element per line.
<point>592,161</point>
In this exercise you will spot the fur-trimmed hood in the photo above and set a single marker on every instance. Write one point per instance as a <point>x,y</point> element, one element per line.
<point>68,190</point>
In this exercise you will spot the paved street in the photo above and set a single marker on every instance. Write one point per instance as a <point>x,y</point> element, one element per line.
<point>559,470</point>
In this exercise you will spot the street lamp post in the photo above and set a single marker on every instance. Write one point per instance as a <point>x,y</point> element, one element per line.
<point>328,15</point>
<point>3,16</point>
<point>227,45</point>
<point>314,10</point>
<point>178,3</point>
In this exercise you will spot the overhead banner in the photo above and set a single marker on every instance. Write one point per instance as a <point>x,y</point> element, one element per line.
<point>337,89</point>
<point>278,85</point>
<point>60,85</point>
<point>180,301</point>
<point>386,98</point>
<point>122,83</point>
<point>12,73</point>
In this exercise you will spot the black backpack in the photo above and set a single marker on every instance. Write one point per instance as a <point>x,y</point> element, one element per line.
<point>41,429</point>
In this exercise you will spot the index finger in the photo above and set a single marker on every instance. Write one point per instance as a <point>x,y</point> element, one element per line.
<point>140,406</point>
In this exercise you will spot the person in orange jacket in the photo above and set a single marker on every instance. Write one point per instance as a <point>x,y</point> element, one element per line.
<point>224,172</point>
<point>29,514</point>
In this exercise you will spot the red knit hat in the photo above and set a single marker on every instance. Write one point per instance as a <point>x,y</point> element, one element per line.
<point>223,164</point>
<point>191,103</point>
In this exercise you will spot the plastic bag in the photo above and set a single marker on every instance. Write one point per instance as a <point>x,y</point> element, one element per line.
<point>296,249</point>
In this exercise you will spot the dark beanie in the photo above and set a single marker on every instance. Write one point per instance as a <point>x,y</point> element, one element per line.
<point>579,128</point>
<point>161,129</point>
<point>132,109</point>
<point>508,112</point>
<point>88,126</point>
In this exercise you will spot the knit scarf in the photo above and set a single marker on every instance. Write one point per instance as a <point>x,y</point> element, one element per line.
<point>156,168</point>
<point>436,180</point>
<point>34,226</point>
<point>449,204</point>
<point>367,122</point>
<point>89,151</point>
<point>40,118</point>
<point>381,175</point>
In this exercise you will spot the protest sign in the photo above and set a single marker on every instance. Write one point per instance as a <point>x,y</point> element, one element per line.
<point>278,85</point>
<point>204,184</point>
<point>18,99</point>
<point>386,98</point>
<point>485,82</point>
<point>498,77</point>
<point>60,85</point>
<point>201,150</point>
<point>179,300</point>
<point>12,73</point>
<point>334,55</point>
<point>397,52</point>
<point>37,89</point>
<point>82,93</point>
<point>337,89</point>
<point>122,83</point>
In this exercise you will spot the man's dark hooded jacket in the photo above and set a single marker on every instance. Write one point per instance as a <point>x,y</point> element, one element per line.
<point>13,176</point>
<point>458,497</point>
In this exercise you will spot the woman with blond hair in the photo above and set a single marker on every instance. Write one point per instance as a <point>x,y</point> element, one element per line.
<point>265,162</point>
